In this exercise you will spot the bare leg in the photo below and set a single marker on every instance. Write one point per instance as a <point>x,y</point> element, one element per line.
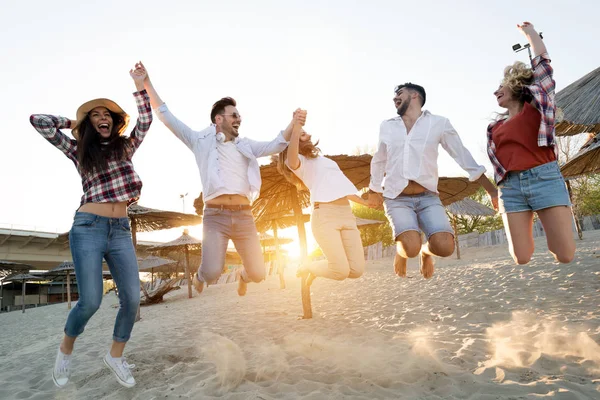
<point>400,265</point>
<point>408,245</point>
<point>66,346</point>
<point>557,224</point>
<point>519,232</point>
<point>440,244</point>
<point>117,348</point>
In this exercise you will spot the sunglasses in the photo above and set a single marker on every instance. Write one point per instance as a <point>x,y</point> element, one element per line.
<point>234,115</point>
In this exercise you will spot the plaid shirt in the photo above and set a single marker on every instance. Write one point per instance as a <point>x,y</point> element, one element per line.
<point>119,181</point>
<point>542,91</point>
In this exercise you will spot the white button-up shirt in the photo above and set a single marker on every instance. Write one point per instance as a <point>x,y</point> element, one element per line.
<point>204,146</point>
<point>403,157</point>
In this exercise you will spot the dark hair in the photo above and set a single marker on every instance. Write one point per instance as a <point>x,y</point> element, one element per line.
<point>414,87</point>
<point>219,107</point>
<point>92,152</point>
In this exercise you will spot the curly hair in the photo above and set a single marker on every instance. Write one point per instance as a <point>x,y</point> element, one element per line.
<point>309,150</point>
<point>516,78</point>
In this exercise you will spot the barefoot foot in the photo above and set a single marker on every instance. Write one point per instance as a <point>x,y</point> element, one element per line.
<point>400,266</point>
<point>426,265</point>
<point>198,285</point>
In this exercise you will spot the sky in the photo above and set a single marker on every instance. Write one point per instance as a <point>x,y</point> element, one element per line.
<point>340,60</point>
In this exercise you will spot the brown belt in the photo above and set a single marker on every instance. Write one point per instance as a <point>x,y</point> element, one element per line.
<point>238,207</point>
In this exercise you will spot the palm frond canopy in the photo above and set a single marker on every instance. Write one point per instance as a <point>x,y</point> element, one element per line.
<point>280,220</point>
<point>268,240</point>
<point>154,262</point>
<point>23,277</point>
<point>151,219</point>
<point>184,240</point>
<point>587,161</point>
<point>469,207</point>
<point>580,106</point>
<point>14,266</point>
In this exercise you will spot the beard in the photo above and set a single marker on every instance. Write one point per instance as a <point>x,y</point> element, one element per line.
<point>403,107</point>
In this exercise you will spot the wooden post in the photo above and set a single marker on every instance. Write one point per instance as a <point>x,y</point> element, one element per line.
<point>133,224</point>
<point>187,272</point>
<point>305,289</point>
<point>39,293</point>
<point>62,292</point>
<point>1,298</point>
<point>23,296</point>
<point>456,236</point>
<point>575,219</point>
<point>152,278</point>
<point>68,290</point>
<point>278,258</point>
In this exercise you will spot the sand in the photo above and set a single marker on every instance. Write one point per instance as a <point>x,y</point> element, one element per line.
<point>482,328</point>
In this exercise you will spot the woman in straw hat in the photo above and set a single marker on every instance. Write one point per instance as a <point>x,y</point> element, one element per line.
<point>102,156</point>
<point>521,146</point>
<point>333,224</point>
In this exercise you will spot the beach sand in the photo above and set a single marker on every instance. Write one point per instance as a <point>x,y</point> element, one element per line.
<point>482,328</point>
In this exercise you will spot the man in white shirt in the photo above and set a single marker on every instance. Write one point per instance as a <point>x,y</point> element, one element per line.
<point>404,177</point>
<point>230,179</point>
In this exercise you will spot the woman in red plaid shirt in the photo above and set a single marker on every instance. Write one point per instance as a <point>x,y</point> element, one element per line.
<point>102,156</point>
<point>521,147</point>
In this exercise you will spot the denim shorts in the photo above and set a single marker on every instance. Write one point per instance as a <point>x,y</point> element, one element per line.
<point>533,189</point>
<point>422,212</point>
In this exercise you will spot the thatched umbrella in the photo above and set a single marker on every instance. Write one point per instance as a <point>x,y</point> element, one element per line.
<point>470,208</point>
<point>586,161</point>
<point>9,267</point>
<point>184,242</point>
<point>23,278</point>
<point>144,219</point>
<point>580,106</point>
<point>64,268</point>
<point>153,262</point>
<point>268,240</point>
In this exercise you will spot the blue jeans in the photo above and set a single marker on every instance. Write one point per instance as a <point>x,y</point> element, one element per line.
<point>533,189</point>
<point>92,239</point>
<point>423,212</point>
<point>219,226</point>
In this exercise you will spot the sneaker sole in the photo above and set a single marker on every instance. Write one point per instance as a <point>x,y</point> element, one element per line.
<point>56,383</point>
<point>123,383</point>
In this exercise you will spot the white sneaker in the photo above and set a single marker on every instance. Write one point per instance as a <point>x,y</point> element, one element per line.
<point>121,369</point>
<point>62,369</point>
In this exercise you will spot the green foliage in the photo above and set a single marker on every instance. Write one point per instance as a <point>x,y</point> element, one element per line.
<point>374,234</point>
<point>466,224</point>
<point>586,195</point>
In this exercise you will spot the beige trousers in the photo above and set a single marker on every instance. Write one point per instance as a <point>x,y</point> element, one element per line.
<point>334,228</point>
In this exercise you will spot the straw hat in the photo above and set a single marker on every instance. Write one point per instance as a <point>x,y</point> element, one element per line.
<point>110,105</point>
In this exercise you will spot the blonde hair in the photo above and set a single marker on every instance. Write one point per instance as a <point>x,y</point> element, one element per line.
<point>516,78</point>
<point>308,150</point>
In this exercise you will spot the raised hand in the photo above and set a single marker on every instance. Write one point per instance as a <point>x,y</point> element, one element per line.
<point>138,73</point>
<point>300,117</point>
<point>526,28</point>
